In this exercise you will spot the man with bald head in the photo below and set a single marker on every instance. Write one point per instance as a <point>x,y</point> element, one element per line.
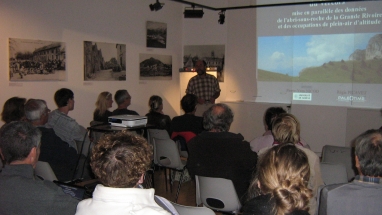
<point>219,153</point>
<point>204,86</point>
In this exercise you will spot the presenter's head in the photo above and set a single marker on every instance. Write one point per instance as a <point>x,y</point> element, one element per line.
<point>200,67</point>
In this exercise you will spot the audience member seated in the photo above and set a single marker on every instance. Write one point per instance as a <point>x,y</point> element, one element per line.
<point>280,185</point>
<point>363,194</point>
<point>120,161</point>
<point>267,139</point>
<point>60,156</point>
<point>156,117</point>
<point>188,121</point>
<point>103,103</point>
<point>20,191</point>
<point>13,110</point>
<point>63,125</point>
<point>123,100</point>
<point>220,153</point>
<point>286,129</point>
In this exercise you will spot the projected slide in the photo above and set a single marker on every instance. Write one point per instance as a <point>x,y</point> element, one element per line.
<point>321,54</point>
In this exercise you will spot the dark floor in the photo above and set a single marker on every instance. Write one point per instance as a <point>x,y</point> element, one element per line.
<point>186,194</point>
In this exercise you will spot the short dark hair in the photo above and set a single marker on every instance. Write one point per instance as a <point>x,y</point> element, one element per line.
<point>272,113</point>
<point>17,140</point>
<point>120,96</point>
<point>13,109</point>
<point>189,102</point>
<point>120,159</point>
<point>62,96</point>
<point>218,117</point>
<point>368,149</point>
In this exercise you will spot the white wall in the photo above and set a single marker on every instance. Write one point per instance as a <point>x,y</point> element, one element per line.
<point>73,22</point>
<point>124,21</point>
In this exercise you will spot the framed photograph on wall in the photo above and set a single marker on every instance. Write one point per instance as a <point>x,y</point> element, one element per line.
<point>104,61</point>
<point>213,55</point>
<point>156,34</point>
<point>36,60</point>
<point>155,67</point>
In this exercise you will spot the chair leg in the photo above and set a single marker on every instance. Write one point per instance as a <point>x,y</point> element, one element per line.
<point>171,181</point>
<point>179,184</point>
<point>165,177</point>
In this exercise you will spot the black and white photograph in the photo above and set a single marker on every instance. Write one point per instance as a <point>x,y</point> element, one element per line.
<point>104,61</point>
<point>156,34</point>
<point>155,67</point>
<point>36,60</point>
<point>213,55</point>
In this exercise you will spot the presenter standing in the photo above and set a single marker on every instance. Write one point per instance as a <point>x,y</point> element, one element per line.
<point>204,86</point>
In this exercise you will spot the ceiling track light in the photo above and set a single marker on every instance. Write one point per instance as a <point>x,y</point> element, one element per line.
<point>192,12</point>
<point>156,6</point>
<point>221,17</point>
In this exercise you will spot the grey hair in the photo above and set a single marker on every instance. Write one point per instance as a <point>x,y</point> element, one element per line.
<point>218,117</point>
<point>17,139</point>
<point>368,149</point>
<point>34,109</point>
<point>120,96</point>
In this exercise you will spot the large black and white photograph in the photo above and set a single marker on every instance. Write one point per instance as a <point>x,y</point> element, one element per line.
<point>155,67</point>
<point>36,60</point>
<point>213,55</point>
<point>104,61</point>
<point>156,34</point>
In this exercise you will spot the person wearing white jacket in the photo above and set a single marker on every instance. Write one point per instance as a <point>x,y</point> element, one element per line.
<point>120,161</point>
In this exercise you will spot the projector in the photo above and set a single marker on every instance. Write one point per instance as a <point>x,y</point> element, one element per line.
<point>127,120</point>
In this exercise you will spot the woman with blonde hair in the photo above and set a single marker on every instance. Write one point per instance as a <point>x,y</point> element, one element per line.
<point>103,103</point>
<point>286,130</point>
<point>281,183</point>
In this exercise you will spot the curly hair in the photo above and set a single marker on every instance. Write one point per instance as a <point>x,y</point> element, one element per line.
<point>286,129</point>
<point>120,159</point>
<point>283,172</point>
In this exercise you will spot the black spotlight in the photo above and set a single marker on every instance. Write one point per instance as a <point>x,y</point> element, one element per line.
<point>193,12</point>
<point>156,6</point>
<point>221,17</point>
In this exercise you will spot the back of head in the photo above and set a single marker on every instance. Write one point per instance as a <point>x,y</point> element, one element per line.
<point>34,109</point>
<point>102,102</point>
<point>13,109</point>
<point>368,149</point>
<point>120,96</point>
<point>120,159</point>
<point>189,102</point>
<point>271,114</point>
<point>218,118</point>
<point>17,140</point>
<point>62,96</point>
<point>283,172</point>
<point>155,103</point>
<point>286,129</point>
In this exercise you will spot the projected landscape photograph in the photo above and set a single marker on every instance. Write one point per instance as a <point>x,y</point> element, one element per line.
<point>341,58</point>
